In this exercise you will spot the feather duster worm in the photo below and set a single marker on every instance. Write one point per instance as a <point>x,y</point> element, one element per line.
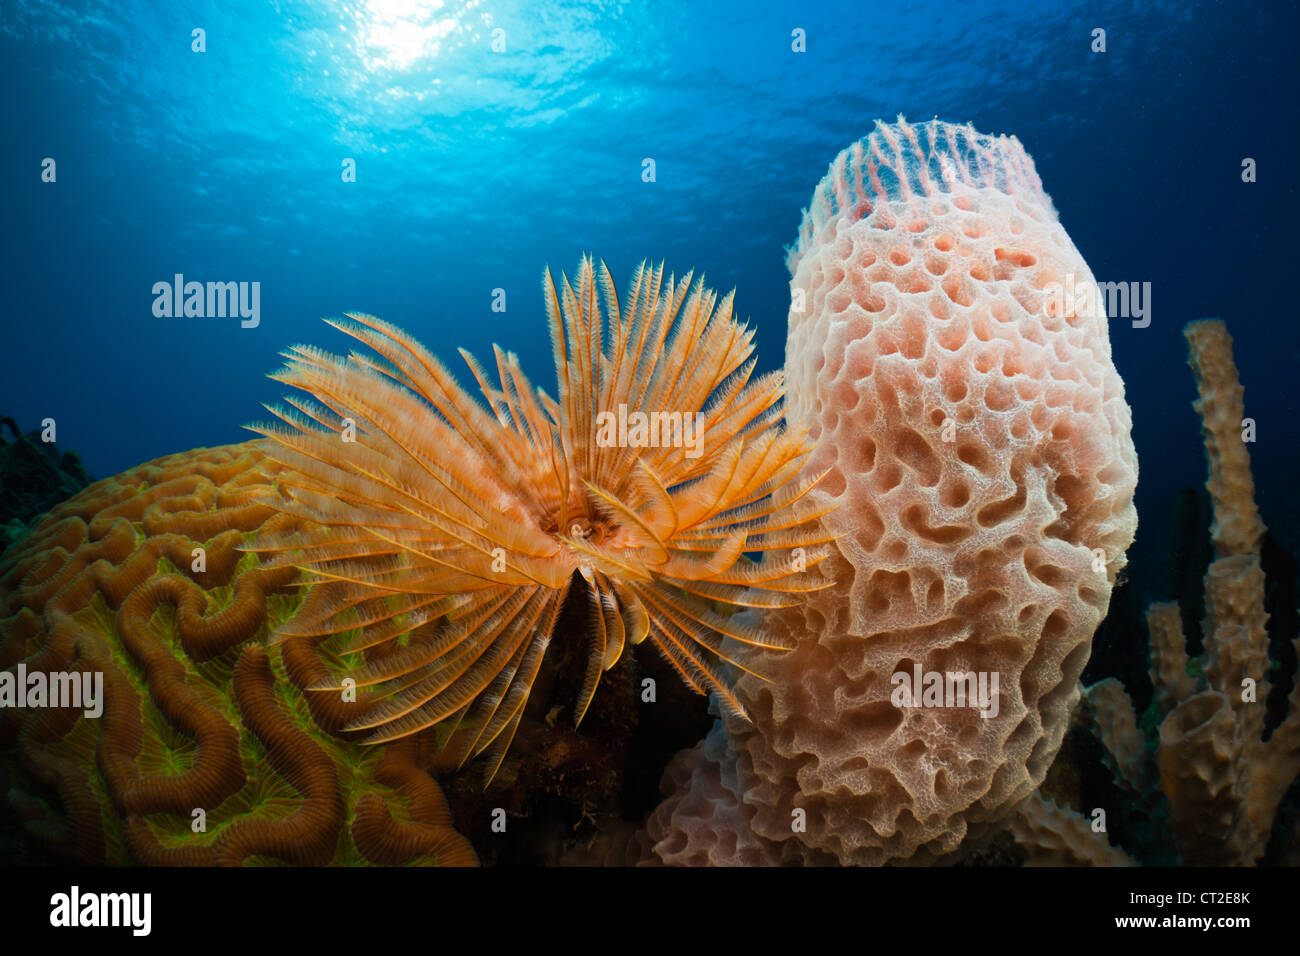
<point>448,536</point>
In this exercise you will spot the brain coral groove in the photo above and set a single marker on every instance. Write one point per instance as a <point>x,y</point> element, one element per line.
<point>198,714</point>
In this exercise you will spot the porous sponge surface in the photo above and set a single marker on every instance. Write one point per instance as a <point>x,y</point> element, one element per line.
<point>976,442</point>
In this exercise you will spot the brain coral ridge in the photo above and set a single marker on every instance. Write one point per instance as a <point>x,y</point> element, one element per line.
<point>211,749</point>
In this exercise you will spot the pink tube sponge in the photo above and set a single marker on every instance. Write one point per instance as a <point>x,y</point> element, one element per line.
<point>977,446</point>
<point>926,266</point>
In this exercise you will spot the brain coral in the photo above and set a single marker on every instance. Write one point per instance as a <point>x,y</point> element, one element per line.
<point>197,714</point>
<point>978,447</point>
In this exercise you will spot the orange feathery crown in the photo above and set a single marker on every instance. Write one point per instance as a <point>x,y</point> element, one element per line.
<point>451,533</point>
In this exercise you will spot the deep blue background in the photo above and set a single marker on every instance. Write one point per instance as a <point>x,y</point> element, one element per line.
<point>477,168</point>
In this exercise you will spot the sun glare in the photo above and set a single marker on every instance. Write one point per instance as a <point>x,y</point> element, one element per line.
<point>398,34</point>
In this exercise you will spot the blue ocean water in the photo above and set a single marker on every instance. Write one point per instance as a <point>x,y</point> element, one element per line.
<point>476,167</point>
